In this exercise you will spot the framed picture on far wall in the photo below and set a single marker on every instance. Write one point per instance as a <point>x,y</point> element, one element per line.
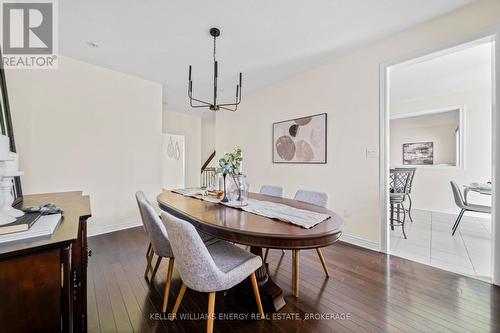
<point>300,140</point>
<point>419,153</point>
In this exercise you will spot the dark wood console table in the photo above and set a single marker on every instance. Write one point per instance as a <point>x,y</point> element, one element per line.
<point>43,282</point>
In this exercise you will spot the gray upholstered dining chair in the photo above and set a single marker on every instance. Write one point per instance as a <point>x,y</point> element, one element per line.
<point>312,197</point>
<point>216,267</point>
<point>159,242</point>
<point>464,206</point>
<point>317,199</point>
<point>274,191</point>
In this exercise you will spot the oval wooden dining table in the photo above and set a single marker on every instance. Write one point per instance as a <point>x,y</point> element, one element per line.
<point>238,226</point>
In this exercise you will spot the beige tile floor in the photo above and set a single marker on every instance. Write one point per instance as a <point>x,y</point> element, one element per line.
<point>430,242</point>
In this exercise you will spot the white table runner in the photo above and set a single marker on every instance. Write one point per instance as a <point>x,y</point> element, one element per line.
<point>300,217</point>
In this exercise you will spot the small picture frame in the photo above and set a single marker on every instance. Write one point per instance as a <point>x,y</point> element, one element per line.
<point>418,153</point>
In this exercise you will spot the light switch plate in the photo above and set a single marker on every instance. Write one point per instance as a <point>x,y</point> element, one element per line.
<point>371,153</point>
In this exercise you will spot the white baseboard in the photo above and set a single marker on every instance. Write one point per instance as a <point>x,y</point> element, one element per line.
<point>99,230</point>
<point>361,242</point>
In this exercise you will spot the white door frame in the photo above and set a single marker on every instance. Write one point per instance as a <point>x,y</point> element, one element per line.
<point>492,34</point>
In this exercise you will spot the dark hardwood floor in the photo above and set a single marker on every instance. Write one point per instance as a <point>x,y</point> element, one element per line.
<point>368,292</point>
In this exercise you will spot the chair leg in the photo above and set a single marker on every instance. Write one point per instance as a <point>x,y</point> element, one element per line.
<point>156,267</point>
<point>211,312</point>
<point>409,208</point>
<point>392,217</point>
<point>296,272</point>
<point>459,217</point>
<point>149,249</point>
<point>404,213</point>
<point>148,265</point>
<point>171,262</point>
<point>403,220</point>
<point>178,301</point>
<point>282,251</point>
<point>323,262</point>
<point>257,294</point>
<point>457,222</point>
<point>265,255</point>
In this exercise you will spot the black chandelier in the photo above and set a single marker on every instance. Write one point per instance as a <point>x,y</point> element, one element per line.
<point>214,32</point>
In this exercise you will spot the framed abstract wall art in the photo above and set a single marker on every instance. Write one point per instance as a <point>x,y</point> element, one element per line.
<point>300,140</point>
<point>419,153</point>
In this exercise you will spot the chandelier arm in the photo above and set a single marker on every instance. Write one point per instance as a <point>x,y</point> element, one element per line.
<point>191,98</point>
<point>199,106</point>
<point>229,104</point>
<point>238,98</point>
<point>199,101</point>
<point>205,104</point>
<point>228,109</point>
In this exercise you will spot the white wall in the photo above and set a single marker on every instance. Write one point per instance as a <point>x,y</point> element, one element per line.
<point>207,135</point>
<point>190,127</point>
<point>438,129</point>
<point>432,190</point>
<point>347,89</point>
<point>83,127</point>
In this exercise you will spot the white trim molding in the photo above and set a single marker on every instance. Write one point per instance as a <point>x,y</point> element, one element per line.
<point>495,249</point>
<point>461,129</point>
<point>491,34</point>
<point>361,242</point>
<point>106,229</point>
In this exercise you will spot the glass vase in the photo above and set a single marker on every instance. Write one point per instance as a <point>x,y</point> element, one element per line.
<point>237,191</point>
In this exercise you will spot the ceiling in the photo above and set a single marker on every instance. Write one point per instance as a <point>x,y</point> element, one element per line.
<point>267,40</point>
<point>463,70</point>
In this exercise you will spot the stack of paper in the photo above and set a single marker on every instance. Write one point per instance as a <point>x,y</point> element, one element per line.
<point>44,226</point>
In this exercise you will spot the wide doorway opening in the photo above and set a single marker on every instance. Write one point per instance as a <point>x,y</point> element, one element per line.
<point>440,161</point>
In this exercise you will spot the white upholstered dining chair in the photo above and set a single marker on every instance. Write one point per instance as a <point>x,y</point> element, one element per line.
<point>216,267</point>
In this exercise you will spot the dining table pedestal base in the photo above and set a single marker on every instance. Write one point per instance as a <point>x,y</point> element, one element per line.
<point>270,293</point>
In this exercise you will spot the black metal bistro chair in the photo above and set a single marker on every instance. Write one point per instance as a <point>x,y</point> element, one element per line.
<point>399,182</point>
<point>408,190</point>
